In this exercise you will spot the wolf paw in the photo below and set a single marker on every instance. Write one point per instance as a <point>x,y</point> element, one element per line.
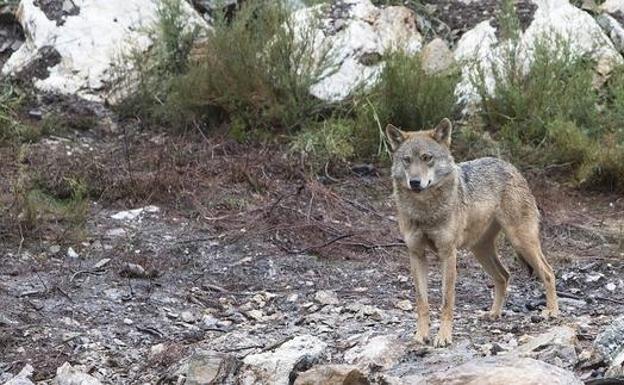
<point>494,315</point>
<point>443,339</point>
<point>550,313</point>
<point>421,338</point>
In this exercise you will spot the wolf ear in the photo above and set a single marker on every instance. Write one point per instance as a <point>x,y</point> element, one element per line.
<point>395,136</point>
<point>442,132</point>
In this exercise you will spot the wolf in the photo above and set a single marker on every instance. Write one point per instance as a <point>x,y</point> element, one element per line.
<point>444,206</point>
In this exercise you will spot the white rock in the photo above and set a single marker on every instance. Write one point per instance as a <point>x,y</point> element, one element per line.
<point>499,370</point>
<point>71,253</point>
<point>405,305</point>
<point>612,6</point>
<point>378,352</point>
<point>437,56</point>
<point>68,375</point>
<point>207,368</point>
<point>326,297</point>
<point>613,29</point>
<point>476,47</point>
<point>256,314</point>
<point>116,232</point>
<point>366,31</point>
<point>54,249</point>
<point>332,375</point>
<point>130,215</point>
<point>557,345</point>
<point>101,263</point>
<point>188,316</point>
<point>90,43</point>
<point>274,367</point>
<point>22,378</point>
<point>157,349</point>
<point>552,18</point>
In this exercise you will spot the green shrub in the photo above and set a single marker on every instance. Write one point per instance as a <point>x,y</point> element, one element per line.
<point>156,71</point>
<point>557,85</point>
<point>408,97</point>
<point>550,112</point>
<point>569,144</point>
<point>256,69</point>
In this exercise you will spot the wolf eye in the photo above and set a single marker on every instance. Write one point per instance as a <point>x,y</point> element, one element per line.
<point>406,159</point>
<point>426,157</point>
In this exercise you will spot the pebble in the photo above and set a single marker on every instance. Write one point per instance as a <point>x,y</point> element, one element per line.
<point>255,314</point>
<point>54,249</point>
<point>187,317</point>
<point>71,253</point>
<point>326,297</point>
<point>405,305</point>
<point>536,318</point>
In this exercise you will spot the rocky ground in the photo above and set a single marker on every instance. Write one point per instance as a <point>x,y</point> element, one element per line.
<point>204,261</point>
<point>317,264</point>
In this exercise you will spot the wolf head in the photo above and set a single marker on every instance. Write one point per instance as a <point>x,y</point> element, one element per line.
<point>421,159</point>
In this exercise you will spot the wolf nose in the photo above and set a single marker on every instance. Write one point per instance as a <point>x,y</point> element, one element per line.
<point>415,184</point>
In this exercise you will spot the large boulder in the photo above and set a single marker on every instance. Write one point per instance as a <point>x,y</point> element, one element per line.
<point>353,35</point>
<point>80,48</point>
<point>332,375</point>
<point>23,377</point>
<point>480,47</point>
<point>208,368</point>
<point>612,21</point>
<point>380,352</point>
<point>69,375</point>
<point>557,346</point>
<point>499,370</point>
<point>279,366</point>
<point>11,34</point>
<point>610,344</point>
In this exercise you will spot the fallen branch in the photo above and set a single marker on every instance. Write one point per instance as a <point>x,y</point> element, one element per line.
<point>76,274</point>
<point>316,247</point>
<point>372,246</point>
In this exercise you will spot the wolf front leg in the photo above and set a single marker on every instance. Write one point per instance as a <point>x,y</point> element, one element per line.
<point>419,269</point>
<point>448,259</point>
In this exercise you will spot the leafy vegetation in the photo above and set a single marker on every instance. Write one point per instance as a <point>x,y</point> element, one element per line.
<point>10,127</point>
<point>550,112</point>
<point>253,70</point>
<point>409,97</point>
<point>155,73</point>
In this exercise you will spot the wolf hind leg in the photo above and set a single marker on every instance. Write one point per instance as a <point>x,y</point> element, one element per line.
<point>486,253</point>
<point>524,237</point>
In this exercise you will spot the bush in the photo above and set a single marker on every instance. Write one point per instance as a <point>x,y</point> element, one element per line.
<point>557,85</point>
<point>408,97</point>
<point>551,113</point>
<point>254,69</point>
<point>156,71</point>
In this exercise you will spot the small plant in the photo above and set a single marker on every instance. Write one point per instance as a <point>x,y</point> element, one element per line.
<point>328,141</point>
<point>36,209</point>
<point>10,127</point>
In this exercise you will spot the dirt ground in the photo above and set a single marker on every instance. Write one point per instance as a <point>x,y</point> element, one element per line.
<point>234,249</point>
